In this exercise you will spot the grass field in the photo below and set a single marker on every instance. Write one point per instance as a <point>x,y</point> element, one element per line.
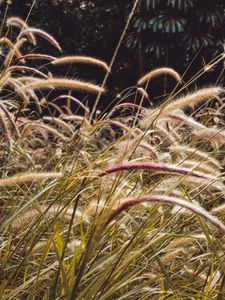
<point>123,203</point>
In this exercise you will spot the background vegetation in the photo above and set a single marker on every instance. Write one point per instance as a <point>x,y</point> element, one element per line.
<point>163,33</point>
<point>126,202</point>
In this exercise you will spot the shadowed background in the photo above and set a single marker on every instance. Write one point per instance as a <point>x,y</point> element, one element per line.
<point>184,35</point>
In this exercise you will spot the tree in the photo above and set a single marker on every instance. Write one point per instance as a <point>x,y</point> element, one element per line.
<point>162,32</point>
<point>174,31</point>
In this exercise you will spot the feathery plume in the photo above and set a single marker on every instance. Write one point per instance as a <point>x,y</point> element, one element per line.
<point>75,100</point>
<point>197,209</point>
<point>37,126</point>
<point>172,255</point>
<point>60,123</point>
<point>5,130</point>
<point>77,119</point>
<point>5,40</point>
<point>129,105</point>
<point>17,86</point>
<point>10,117</point>
<point>130,166</point>
<point>19,23</point>
<point>28,177</point>
<point>27,69</point>
<point>192,99</point>
<point>38,56</point>
<point>157,72</point>
<point>211,134</point>
<point>218,209</point>
<point>199,166</point>
<point>143,92</point>
<point>12,53</point>
<point>59,211</point>
<point>64,83</point>
<point>183,241</point>
<point>193,152</point>
<point>43,34</point>
<point>81,60</point>
<point>181,116</point>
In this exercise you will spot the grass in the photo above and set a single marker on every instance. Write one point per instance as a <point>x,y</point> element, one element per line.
<point>84,197</point>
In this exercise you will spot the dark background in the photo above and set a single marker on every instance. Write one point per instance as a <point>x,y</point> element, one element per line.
<point>182,34</point>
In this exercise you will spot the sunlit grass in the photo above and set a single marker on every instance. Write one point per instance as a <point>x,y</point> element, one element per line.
<point>84,197</point>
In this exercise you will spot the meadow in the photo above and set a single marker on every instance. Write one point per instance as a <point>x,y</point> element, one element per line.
<point>126,202</point>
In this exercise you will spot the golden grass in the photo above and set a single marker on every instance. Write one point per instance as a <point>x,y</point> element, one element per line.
<point>158,72</point>
<point>78,59</point>
<point>66,167</point>
<point>64,83</point>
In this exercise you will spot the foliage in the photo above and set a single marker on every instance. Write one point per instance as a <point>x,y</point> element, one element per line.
<point>163,27</point>
<point>127,204</point>
<point>163,32</point>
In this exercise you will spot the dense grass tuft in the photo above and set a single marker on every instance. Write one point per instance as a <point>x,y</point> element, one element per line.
<point>84,194</point>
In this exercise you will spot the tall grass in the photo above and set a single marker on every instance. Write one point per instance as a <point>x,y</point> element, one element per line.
<point>84,199</point>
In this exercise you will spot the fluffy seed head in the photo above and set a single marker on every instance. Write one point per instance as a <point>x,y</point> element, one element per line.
<point>64,83</point>
<point>192,99</point>
<point>197,209</point>
<point>81,60</point>
<point>157,72</point>
<point>43,34</point>
<point>28,177</point>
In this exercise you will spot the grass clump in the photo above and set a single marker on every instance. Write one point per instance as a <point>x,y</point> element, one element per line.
<point>84,196</point>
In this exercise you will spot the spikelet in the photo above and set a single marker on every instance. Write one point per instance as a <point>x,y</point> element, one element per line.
<point>75,100</point>
<point>10,117</point>
<point>190,99</point>
<point>28,177</point>
<point>59,211</point>
<point>171,169</point>
<point>5,133</point>
<point>27,69</point>
<point>11,46</point>
<point>219,209</point>
<point>197,209</point>
<point>183,241</point>
<point>77,119</point>
<point>19,23</point>
<point>181,116</point>
<point>37,126</point>
<point>38,56</point>
<point>43,34</point>
<point>157,72</point>
<point>143,92</point>
<point>198,165</point>
<point>12,53</point>
<point>192,152</point>
<point>172,255</point>
<point>81,60</point>
<point>60,123</point>
<point>64,83</point>
<point>211,134</point>
<point>193,99</point>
